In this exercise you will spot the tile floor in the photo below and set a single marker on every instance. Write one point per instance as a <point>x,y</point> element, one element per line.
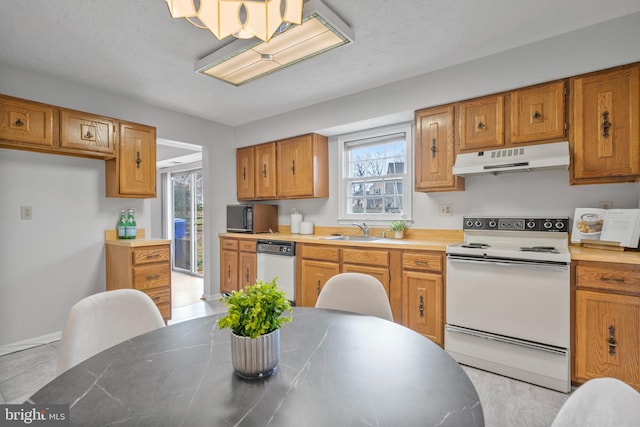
<point>506,402</point>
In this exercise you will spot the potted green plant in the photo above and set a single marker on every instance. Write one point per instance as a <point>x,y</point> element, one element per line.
<point>255,316</point>
<point>398,228</point>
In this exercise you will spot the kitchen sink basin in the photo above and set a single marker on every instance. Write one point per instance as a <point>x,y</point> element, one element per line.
<point>354,238</point>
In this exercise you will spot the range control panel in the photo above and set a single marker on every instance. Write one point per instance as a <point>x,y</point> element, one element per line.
<point>516,224</point>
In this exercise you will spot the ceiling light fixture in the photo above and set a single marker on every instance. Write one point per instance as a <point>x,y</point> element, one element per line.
<point>242,61</point>
<point>243,19</point>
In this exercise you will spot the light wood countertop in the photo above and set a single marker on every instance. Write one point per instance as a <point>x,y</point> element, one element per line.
<point>111,238</point>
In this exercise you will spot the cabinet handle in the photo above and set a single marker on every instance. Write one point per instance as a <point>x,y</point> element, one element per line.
<point>419,262</point>
<point>155,276</point>
<point>611,342</point>
<point>537,115</point>
<point>88,135</point>
<point>228,271</point>
<point>153,256</point>
<point>319,288</point>
<point>244,173</point>
<point>612,279</point>
<point>246,276</point>
<point>264,170</point>
<point>19,123</point>
<point>434,148</point>
<point>138,159</point>
<point>481,125</point>
<point>421,306</point>
<point>606,124</point>
<point>293,167</point>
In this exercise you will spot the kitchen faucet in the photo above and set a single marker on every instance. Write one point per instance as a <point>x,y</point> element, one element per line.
<point>364,227</point>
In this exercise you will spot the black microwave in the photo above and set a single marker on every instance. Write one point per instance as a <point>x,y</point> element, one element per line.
<point>252,218</point>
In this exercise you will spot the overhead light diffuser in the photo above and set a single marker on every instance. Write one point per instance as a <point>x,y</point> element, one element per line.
<point>245,60</point>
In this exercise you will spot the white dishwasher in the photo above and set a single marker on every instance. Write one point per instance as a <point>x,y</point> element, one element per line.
<point>278,259</point>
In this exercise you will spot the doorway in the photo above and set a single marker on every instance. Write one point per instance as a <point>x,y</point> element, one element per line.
<point>187,198</point>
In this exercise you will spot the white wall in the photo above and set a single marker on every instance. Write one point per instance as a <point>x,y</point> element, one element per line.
<point>52,261</point>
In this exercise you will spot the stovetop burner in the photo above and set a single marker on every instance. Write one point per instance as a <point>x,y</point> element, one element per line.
<point>544,249</point>
<point>476,245</point>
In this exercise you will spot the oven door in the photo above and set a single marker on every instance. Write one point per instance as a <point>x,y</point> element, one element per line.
<point>512,298</point>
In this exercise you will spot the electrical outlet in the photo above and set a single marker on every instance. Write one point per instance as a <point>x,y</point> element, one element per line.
<point>26,212</point>
<point>605,205</point>
<point>446,210</point>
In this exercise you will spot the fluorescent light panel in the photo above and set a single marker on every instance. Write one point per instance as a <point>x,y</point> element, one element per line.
<point>243,61</point>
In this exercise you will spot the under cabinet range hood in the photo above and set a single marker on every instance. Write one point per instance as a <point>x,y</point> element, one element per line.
<point>517,159</point>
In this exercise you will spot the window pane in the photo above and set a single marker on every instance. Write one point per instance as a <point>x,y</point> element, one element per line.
<point>355,205</point>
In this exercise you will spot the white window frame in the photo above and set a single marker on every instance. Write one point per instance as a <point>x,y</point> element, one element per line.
<point>382,219</point>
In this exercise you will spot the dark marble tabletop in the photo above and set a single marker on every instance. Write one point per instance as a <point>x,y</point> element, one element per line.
<point>336,369</point>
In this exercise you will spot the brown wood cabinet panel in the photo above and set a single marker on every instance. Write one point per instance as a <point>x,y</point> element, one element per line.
<point>608,336</point>
<point>365,256</point>
<point>321,252</point>
<point>422,304</point>
<point>537,113</point>
<point>302,164</point>
<point>151,254</point>
<point>481,123</point>
<point>380,273</point>
<point>83,132</point>
<point>230,244</point>
<point>434,150</point>
<point>247,245</point>
<point>248,269</point>
<point>26,123</point>
<point>245,173</point>
<point>605,133</point>
<point>228,271</point>
<point>429,261</point>
<point>616,278</point>
<point>265,171</point>
<point>314,276</point>
<point>152,276</point>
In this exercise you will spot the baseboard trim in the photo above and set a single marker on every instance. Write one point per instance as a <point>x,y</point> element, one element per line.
<point>30,343</point>
<point>211,297</point>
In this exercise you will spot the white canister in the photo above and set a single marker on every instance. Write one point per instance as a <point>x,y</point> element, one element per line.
<point>306,227</point>
<point>296,220</point>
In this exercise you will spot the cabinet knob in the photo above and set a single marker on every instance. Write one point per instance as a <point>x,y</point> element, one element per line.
<point>481,125</point>
<point>88,135</point>
<point>421,306</point>
<point>138,159</point>
<point>537,115</point>
<point>434,148</point>
<point>19,123</point>
<point>611,342</point>
<point>606,124</point>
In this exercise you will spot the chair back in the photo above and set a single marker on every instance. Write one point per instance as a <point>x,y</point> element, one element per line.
<point>357,293</point>
<point>103,320</point>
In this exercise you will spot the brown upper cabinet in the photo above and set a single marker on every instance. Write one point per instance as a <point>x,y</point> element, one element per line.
<point>81,132</point>
<point>605,135</point>
<point>292,168</point>
<point>481,123</point>
<point>538,113</point>
<point>27,124</point>
<point>434,150</point>
<point>133,173</point>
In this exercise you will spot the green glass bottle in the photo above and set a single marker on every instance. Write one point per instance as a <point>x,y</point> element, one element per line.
<point>122,225</point>
<point>130,229</point>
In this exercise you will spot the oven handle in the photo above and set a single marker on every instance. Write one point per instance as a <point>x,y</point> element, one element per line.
<point>506,263</point>
<point>506,340</point>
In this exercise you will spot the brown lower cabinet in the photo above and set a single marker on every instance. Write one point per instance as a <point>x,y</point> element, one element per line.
<point>607,322</point>
<point>238,264</point>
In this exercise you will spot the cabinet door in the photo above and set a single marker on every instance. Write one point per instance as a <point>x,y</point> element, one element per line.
<point>265,171</point>
<point>606,120</point>
<point>247,269</point>
<point>482,124</point>
<point>607,337</point>
<point>314,275</point>
<point>245,173</point>
<point>228,271</point>
<point>434,150</point>
<point>26,123</point>
<point>295,167</point>
<point>422,304</point>
<point>380,273</point>
<point>87,133</point>
<point>537,113</point>
<point>137,159</point>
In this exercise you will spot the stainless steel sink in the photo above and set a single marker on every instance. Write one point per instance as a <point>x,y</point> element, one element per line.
<point>353,238</point>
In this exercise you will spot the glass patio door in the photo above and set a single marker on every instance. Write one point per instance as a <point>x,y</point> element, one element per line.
<point>187,221</point>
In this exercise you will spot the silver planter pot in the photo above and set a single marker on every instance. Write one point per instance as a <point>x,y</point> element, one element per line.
<point>254,358</point>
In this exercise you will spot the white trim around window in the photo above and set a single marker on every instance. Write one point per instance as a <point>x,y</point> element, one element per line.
<point>376,175</point>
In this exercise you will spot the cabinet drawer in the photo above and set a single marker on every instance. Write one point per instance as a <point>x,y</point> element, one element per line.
<point>151,254</point>
<point>230,244</point>
<point>327,253</point>
<point>360,256</point>
<point>247,245</point>
<point>605,277</point>
<point>151,276</point>
<point>160,296</point>
<point>26,122</point>
<point>422,261</point>
<point>165,311</point>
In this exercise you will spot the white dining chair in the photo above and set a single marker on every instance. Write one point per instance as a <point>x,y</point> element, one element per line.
<point>601,402</point>
<point>103,320</point>
<point>357,293</point>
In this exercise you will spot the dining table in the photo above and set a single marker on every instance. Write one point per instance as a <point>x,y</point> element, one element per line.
<point>336,369</point>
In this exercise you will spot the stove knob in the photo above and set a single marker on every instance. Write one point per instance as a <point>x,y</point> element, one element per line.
<point>492,224</point>
<point>469,223</point>
<point>531,224</point>
<point>547,225</point>
<point>478,223</point>
<point>559,225</point>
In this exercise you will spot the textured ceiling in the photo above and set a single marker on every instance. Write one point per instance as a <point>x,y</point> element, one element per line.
<point>135,49</point>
